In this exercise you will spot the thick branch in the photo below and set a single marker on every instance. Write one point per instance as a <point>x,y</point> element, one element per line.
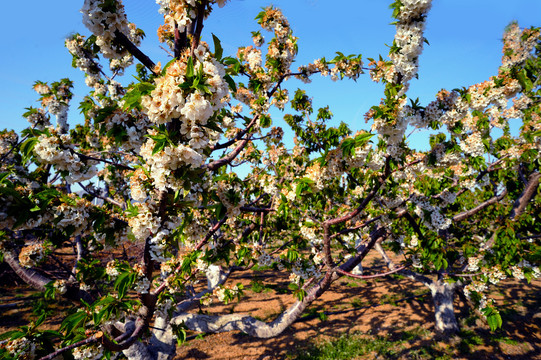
<point>250,325</point>
<point>181,41</point>
<point>526,196</point>
<point>29,276</point>
<point>198,25</point>
<point>80,254</point>
<point>134,50</point>
<point>468,213</point>
<point>260,329</point>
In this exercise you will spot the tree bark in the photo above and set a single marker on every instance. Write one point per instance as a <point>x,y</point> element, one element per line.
<point>29,276</point>
<point>442,296</point>
<point>524,198</point>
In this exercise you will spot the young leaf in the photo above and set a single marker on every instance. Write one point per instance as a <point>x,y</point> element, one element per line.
<point>218,51</point>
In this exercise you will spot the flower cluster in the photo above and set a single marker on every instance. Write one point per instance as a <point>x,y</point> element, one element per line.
<point>162,164</point>
<point>8,139</point>
<point>61,286</point>
<point>137,185</point>
<point>57,150</point>
<point>74,214</point>
<point>111,269</point>
<point>133,125</point>
<point>381,71</point>
<point>90,352</point>
<point>282,49</point>
<point>83,58</point>
<point>227,293</point>
<point>157,246</point>
<point>518,45</point>
<point>409,39</point>
<point>192,106</point>
<point>33,254</point>
<point>179,14</point>
<point>437,220</point>
<point>309,233</point>
<point>393,131</point>
<point>56,99</point>
<point>300,271</point>
<point>229,195</point>
<point>473,145</point>
<point>201,93</point>
<point>144,223</point>
<point>142,284</point>
<point>37,118</point>
<point>22,348</point>
<point>104,19</point>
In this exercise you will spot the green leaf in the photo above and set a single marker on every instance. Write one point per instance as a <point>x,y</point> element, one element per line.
<point>265,121</point>
<point>292,255</point>
<point>190,72</point>
<point>229,80</point>
<point>221,211</point>
<point>132,99</point>
<point>524,80</point>
<point>494,320</point>
<point>73,321</point>
<point>303,185</point>
<point>300,294</point>
<point>169,63</point>
<point>27,148</point>
<point>124,281</point>
<point>13,334</point>
<point>218,51</point>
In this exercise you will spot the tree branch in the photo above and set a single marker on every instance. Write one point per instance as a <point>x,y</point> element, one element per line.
<point>343,272</point>
<point>233,154</point>
<point>134,50</point>
<point>28,275</point>
<point>88,157</point>
<point>198,25</point>
<point>260,329</point>
<point>104,198</point>
<point>92,339</point>
<point>524,198</point>
<point>468,213</point>
<point>408,273</point>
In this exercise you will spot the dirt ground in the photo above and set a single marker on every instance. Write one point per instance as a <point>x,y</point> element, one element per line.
<point>396,309</point>
<point>393,311</point>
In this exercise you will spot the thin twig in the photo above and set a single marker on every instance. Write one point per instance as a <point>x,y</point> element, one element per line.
<point>369,276</point>
<point>94,338</point>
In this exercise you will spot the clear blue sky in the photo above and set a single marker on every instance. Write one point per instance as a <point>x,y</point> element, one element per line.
<point>464,36</point>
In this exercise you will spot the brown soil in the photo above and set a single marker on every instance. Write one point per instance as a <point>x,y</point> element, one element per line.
<point>398,310</point>
<point>394,309</point>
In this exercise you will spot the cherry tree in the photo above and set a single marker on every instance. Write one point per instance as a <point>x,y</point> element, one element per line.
<point>154,164</point>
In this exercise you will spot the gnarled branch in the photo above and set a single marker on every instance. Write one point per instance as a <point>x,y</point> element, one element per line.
<point>524,198</point>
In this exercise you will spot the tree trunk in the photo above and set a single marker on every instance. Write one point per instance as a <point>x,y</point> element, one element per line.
<point>442,296</point>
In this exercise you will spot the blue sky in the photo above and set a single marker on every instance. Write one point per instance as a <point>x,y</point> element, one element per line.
<point>464,35</point>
